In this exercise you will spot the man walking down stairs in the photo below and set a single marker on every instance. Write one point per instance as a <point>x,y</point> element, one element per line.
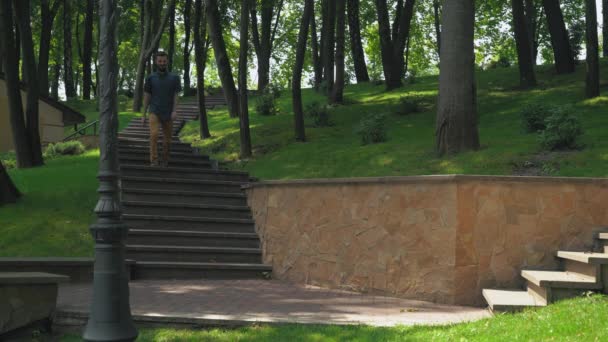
<point>187,220</point>
<point>583,271</point>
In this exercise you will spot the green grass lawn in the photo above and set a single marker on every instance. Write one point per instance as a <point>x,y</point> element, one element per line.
<point>580,319</point>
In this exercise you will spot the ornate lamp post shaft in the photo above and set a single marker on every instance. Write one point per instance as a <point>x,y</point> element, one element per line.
<point>110,317</point>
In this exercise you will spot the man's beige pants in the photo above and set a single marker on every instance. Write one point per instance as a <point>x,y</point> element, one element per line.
<point>167,127</point>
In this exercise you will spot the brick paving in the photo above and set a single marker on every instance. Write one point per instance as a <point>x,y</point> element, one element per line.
<point>238,302</point>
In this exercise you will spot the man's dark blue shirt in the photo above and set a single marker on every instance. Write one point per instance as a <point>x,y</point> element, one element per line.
<point>162,87</point>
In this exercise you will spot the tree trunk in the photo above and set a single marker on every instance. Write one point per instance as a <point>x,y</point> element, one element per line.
<point>329,28</point>
<point>355,42</point>
<point>244,110</point>
<point>392,45</point>
<point>187,12</point>
<point>68,72</point>
<point>605,27</point>
<point>456,127</point>
<point>87,52</point>
<point>531,25</point>
<point>564,61</point>
<point>592,88</point>
<point>47,14</point>
<point>171,52</point>
<point>55,83</point>
<point>148,46</point>
<point>437,17</point>
<point>297,71</point>
<point>221,57</point>
<point>337,93</point>
<point>23,148</point>
<point>8,190</point>
<point>200,51</point>
<point>263,43</point>
<point>527,78</point>
<point>316,58</point>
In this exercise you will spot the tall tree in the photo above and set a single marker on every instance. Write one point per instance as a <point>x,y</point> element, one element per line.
<point>201,49</point>
<point>47,13</point>
<point>296,91</point>
<point>87,80</point>
<point>437,17</point>
<point>527,78</point>
<point>356,46</point>
<point>456,126</point>
<point>245,135</point>
<point>8,191</point>
<point>221,57</point>
<point>68,72</point>
<point>187,12</point>
<point>531,13</point>
<point>316,57</point>
<point>392,43</point>
<point>263,42</point>
<point>148,46</point>
<point>592,88</point>
<point>171,52</point>
<point>23,148</point>
<point>605,27</point>
<point>328,42</point>
<point>337,92</point>
<point>564,61</point>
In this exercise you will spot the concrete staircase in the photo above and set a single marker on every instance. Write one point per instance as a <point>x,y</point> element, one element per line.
<point>187,220</point>
<point>582,271</point>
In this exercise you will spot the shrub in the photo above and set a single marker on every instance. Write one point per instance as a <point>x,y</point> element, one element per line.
<point>408,105</point>
<point>266,105</point>
<point>72,147</point>
<point>273,90</point>
<point>372,129</point>
<point>534,115</point>
<point>319,115</point>
<point>562,131</point>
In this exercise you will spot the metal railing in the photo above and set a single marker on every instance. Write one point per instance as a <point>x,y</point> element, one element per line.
<point>82,130</point>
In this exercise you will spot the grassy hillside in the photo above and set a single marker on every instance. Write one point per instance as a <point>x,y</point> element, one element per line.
<point>336,151</point>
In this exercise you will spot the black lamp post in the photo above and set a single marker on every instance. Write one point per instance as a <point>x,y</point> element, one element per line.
<point>110,316</point>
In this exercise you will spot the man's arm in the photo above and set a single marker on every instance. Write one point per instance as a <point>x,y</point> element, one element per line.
<point>174,111</point>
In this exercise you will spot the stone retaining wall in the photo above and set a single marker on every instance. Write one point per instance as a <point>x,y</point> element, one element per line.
<point>436,238</point>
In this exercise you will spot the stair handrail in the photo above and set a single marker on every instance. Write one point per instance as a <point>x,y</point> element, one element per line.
<point>81,131</point>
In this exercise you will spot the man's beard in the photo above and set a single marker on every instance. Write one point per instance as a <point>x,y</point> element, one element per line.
<point>162,68</point>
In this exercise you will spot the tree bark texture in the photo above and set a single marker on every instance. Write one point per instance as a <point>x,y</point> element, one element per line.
<point>564,61</point>
<point>245,135</point>
<point>337,93</point>
<point>316,57</point>
<point>328,48</point>
<point>392,43</point>
<point>200,51</point>
<point>592,88</point>
<point>356,46</point>
<point>263,42</point>
<point>527,78</point>
<point>221,57</point>
<point>171,51</point>
<point>532,25</point>
<point>187,14</point>
<point>456,126</point>
<point>68,72</point>
<point>47,13</point>
<point>148,46</point>
<point>605,27</point>
<point>23,148</point>
<point>437,16</point>
<point>8,191</point>
<point>296,91</point>
<point>87,79</point>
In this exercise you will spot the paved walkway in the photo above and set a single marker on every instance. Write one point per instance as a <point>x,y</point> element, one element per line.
<point>238,302</point>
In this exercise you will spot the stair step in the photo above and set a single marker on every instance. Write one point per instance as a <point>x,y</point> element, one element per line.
<point>509,300</point>
<point>603,236</point>
<point>560,279</point>
<point>192,238</point>
<point>162,183</point>
<point>185,209</point>
<point>198,270</point>
<point>146,142</point>
<point>204,224</point>
<point>182,173</point>
<point>585,257</point>
<point>142,159</point>
<point>194,197</point>
<point>193,254</point>
<point>172,154</point>
<point>146,147</point>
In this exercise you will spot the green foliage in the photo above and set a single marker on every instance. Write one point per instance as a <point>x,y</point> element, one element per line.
<point>372,129</point>
<point>265,105</point>
<point>274,90</point>
<point>562,131</point>
<point>408,105</point>
<point>576,33</point>
<point>319,114</point>
<point>73,147</point>
<point>8,160</point>
<point>533,116</point>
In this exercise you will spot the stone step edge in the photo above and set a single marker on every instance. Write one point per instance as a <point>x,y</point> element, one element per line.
<point>509,300</point>
<point>205,265</point>
<point>194,249</point>
<point>186,218</point>
<point>171,160</point>
<point>185,205</point>
<point>184,193</point>
<point>182,169</point>
<point>560,279</point>
<point>181,233</point>
<point>181,180</point>
<point>585,257</point>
